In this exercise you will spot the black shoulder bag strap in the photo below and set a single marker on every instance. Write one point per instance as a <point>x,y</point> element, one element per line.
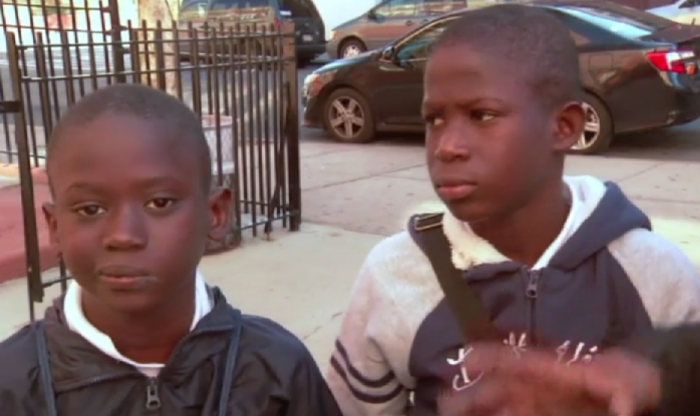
<point>465,303</point>
<point>230,366</point>
<point>45,369</point>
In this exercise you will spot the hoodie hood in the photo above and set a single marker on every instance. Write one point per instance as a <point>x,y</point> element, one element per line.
<point>612,217</point>
<point>600,213</point>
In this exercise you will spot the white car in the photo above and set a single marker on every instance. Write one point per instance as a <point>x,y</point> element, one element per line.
<point>682,11</point>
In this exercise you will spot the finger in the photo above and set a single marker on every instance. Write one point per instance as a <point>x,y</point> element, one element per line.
<point>622,405</point>
<point>485,397</point>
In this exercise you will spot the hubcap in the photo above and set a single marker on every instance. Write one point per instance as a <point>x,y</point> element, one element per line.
<point>591,130</point>
<point>346,117</point>
<point>351,50</point>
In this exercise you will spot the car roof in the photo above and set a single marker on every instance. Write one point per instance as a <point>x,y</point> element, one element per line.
<point>534,3</point>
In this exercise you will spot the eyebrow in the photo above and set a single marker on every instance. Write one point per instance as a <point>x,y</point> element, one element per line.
<point>147,183</point>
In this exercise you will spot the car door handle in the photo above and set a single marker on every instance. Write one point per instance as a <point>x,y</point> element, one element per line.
<point>410,23</point>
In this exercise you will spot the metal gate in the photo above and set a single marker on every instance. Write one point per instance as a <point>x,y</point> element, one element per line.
<point>242,82</point>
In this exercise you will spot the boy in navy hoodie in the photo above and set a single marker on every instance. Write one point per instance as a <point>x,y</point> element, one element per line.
<point>139,332</point>
<point>567,262</point>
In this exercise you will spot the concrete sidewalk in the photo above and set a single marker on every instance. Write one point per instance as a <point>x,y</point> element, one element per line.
<point>301,280</point>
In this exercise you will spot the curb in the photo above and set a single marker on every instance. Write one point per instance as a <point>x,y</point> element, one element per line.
<point>13,261</point>
<point>12,171</point>
<point>13,264</point>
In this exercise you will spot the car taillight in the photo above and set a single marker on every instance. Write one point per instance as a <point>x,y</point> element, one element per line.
<point>278,23</point>
<point>674,61</point>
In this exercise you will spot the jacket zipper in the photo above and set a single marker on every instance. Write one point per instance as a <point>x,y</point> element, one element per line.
<point>531,292</point>
<point>152,395</point>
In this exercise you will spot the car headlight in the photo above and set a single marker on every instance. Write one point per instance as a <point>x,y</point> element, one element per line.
<point>332,34</point>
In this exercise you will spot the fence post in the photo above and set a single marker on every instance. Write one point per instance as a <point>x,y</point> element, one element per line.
<point>31,235</point>
<point>292,124</point>
<point>117,48</point>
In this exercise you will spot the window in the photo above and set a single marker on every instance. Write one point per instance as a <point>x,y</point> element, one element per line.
<point>398,8</point>
<point>624,21</point>
<point>688,4</point>
<point>437,7</point>
<point>223,4</point>
<point>298,8</point>
<point>193,9</point>
<point>418,47</point>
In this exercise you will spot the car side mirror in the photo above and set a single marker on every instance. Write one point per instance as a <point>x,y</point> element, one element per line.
<point>388,54</point>
<point>372,15</point>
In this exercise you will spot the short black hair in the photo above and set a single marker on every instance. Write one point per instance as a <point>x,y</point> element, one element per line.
<point>142,102</point>
<point>537,43</point>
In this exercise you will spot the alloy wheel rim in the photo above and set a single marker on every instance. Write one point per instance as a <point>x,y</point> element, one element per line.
<point>351,50</point>
<point>591,129</point>
<point>347,118</point>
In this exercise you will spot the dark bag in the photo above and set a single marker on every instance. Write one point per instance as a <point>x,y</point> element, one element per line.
<point>466,305</point>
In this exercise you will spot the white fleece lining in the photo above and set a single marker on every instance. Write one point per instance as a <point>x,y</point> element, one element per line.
<point>468,249</point>
<point>78,323</point>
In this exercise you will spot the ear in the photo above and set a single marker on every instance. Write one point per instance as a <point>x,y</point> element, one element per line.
<point>220,213</point>
<point>49,210</point>
<point>568,126</point>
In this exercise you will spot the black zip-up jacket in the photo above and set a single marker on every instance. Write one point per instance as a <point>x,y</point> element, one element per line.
<point>677,351</point>
<point>229,365</point>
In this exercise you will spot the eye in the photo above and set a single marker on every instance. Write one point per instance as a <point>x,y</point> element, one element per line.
<point>482,115</point>
<point>90,210</point>
<point>160,203</point>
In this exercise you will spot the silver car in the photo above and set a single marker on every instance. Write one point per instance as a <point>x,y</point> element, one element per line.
<point>387,21</point>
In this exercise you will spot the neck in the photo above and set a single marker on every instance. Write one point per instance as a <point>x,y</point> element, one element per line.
<point>144,337</point>
<point>523,235</point>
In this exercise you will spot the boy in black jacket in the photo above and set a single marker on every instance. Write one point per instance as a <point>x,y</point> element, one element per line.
<point>138,330</point>
<point>620,383</point>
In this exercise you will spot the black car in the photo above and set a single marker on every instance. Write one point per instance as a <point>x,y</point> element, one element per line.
<point>639,71</point>
<point>310,30</point>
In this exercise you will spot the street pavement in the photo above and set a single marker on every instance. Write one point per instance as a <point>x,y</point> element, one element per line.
<point>354,195</point>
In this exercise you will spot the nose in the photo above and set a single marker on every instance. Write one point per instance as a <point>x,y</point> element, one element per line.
<point>452,144</point>
<point>126,229</point>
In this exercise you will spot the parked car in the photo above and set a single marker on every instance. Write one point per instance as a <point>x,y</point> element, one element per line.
<point>681,11</point>
<point>310,30</point>
<point>384,23</point>
<point>639,71</point>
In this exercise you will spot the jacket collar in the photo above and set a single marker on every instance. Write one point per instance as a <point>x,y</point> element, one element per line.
<point>76,363</point>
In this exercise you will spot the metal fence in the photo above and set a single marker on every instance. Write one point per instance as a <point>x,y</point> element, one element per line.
<point>242,82</point>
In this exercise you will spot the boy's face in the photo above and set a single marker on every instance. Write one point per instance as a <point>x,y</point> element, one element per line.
<point>490,142</point>
<point>129,216</point>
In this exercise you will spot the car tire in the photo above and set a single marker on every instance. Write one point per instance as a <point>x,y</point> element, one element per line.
<point>598,128</point>
<point>347,127</point>
<point>350,48</point>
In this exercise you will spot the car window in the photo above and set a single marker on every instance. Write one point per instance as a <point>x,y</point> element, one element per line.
<point>223,4</point>
<point>689,4</point>
<point>398,8</point>
<point>437,7</point>
<point>624,21</point>
<point>193,9</point>
<point>298,8</point>
<point>418,47</point>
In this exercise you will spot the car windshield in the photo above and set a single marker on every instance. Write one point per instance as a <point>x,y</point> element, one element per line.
<point>625,21</point>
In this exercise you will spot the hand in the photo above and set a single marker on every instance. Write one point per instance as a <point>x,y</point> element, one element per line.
<point>535,384</point>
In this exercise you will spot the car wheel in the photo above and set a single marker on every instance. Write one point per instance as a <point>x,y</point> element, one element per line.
<point>351,47</point>
<point>347,117</point>
<point>597,130</point>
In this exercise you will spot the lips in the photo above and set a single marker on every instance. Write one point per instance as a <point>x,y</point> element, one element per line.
<point>118,270</point>
<point>121,277</point>
<point>455,191</point>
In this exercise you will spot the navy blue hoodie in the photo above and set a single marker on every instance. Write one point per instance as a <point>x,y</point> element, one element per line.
<point>605,279</point>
